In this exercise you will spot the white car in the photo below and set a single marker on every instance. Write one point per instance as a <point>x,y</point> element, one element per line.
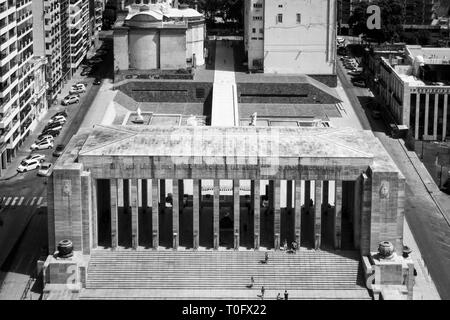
<point>70,100</point>
<point>27,165</point>
<point>45,138</point>
<point>76,90</point>
<point>36,156</point>
<point>60,119</point>
<point>46,144</point>
<point>45,170</point>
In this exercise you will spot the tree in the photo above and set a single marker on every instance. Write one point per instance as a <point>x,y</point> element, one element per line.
<point>392,17</point>
<point>225,9</point>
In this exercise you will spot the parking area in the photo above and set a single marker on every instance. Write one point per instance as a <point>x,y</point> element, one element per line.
<point>73,113</point>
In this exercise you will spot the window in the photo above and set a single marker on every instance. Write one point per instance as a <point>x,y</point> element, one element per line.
<point>299,18</point>
<point>261,30</point>
<point>257,5</point>
<point>280,6</point>
<point>254,30</point>
<point>257,18</point>
<point>279,18</point>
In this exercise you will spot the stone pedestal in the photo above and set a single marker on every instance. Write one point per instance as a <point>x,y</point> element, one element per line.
<point>68,271</point>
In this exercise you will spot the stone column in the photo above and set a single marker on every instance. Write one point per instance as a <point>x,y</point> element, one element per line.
<point>216,213</point>
<point>252,195</point>
<point>114,214</point>
<point>317,214</point>
<point>366,214</point>
<point>337,219</point>
<point>444,118</point>
<point>298,211</point>
<point>134,213</point>
<point>357,213</point>
<point>155,214</point>
<point>94,214</point>
<point>256,212</point>
<point>236,213</point>
<point>416,132</point>
<point>175,214</point>
<point>289,194</point>
<point>276,214</point>
<point>162,193</point>
<point>435,118</point>
<point>427,111</point>
<point>196,212</point>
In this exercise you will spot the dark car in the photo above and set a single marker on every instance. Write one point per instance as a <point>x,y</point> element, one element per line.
<point>59,150</point>
<point>97,82</point>
<point>357,78</point>
<point>376,114</point>
<point>361,84</point>
<point>54,125</point>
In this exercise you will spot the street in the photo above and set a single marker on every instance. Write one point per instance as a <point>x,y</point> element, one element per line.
<point>23,213</point>
<point>428,225</point>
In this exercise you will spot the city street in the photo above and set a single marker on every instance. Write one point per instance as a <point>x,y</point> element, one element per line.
<point>428,224</point>
<point>23,213</point>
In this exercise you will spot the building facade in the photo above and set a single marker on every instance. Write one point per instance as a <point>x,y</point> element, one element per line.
<point>414,83</point>
<point>291,36</point>
<point>157,36</point>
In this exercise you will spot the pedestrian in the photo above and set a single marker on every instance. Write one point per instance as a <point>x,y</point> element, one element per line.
<point>266,257</point>
<point>279,296</point>
<point>262,292</point>
<point>286,295</point>
<point>252,282</point>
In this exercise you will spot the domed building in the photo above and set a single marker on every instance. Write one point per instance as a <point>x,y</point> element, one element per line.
<point>157,34</point>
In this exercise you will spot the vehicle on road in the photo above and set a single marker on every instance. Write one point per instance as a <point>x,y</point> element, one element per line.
<point>53,126</point>
<point>376,114</point>
<point>28,165</point>
<point>42,145</point>
<point>97,82</point>
<point>53,133</point>
<point>75,90</point>
<point>355,72</point>
<point>45,170</point>
<point>350,66</point>
<point>61,113</point>
<point>101,51</point>
<point>36,156</point>
<point>86,72</point>
<point>58,119</point>
<point>96,60</point>
<point>58,150</point>
<point>361,84</point>
<point>45,137</point>
<point>85,84</point>
<point>79,85</point>
<point>71,99</point>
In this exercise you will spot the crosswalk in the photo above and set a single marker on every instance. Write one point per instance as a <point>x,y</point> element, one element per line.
<point>11,201</point>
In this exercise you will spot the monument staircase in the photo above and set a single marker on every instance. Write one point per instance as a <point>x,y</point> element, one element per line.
<point>208,274</point>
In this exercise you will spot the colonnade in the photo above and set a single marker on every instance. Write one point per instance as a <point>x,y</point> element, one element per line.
<point>136,193</point>
<point>435,115</point>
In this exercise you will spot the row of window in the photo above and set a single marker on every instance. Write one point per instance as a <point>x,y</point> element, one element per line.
<point>279,18</point>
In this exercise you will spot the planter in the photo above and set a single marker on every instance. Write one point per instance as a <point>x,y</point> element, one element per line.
<point>386,249</point>
<point>65,249</point>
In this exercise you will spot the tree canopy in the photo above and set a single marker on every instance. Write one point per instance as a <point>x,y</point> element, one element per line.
<point>228,10</point>
<point>392,17</point>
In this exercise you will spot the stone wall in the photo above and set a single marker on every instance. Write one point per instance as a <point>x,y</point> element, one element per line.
<point>329,80</point>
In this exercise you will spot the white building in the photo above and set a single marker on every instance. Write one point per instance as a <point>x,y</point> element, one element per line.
<point>79,36</point>
<point>16,74</point>
<point>291,36</point>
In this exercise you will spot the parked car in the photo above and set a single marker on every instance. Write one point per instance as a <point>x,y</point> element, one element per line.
<point>36,156</point>
<point>61,113</point>
<point>85,84</point>
<point>58,150</point>
<point>86,72</point>
<point>53,133</point>
<point>361,84</point>
<point>75,90</point>
<point>376,114</point>
<point>350,66</point>
<point>355,72</point>
<point>96,60</point>
<point>71,99</point>
<point>58,119</point>
<point>357,78</point>
<point>97,82</point>
<point>45,170</point>
<point>101,51</point>
<point>28,165</point>
<point>53,126</point>
<point>79,85</point>
<point>42,145</point>
<point>45,137</point>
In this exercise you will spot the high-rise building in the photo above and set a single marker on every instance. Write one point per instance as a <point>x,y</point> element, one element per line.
<point>16,74</point>
<point>295,36</point>
<point>47,42</point>
<point>78,31</point>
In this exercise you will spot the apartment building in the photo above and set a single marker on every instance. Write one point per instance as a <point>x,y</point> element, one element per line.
<point>78,32</point>
<point>16,74</point>
<point>96,9</point>
<point>291,36</point>
<point>47,42</point>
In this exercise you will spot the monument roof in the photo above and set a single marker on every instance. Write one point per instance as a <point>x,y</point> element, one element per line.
<point>238,142</point>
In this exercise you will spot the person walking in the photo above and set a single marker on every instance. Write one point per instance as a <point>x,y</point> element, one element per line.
<point>279,296</point>
<point>262,292</point>
<point>252,282</point>
<point>266,257</point>
<point>286,295</point>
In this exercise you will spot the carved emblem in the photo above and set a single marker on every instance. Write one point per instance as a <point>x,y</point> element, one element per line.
<point>67,188</point>
<point>384,190</point>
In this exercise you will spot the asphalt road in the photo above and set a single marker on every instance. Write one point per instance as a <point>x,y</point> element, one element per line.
<point>427,224</point>
<point>28,209</point>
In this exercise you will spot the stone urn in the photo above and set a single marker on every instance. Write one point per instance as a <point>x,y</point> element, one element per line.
<point>65,248</point>
<point>386,249</point>
<point>406,251</point>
